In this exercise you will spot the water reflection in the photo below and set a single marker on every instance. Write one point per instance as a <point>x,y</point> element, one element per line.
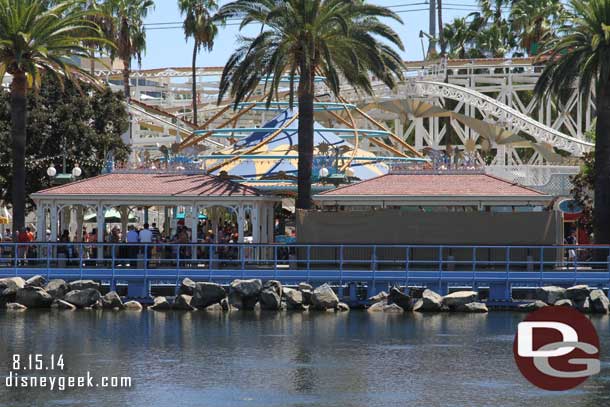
<point>286,359</point>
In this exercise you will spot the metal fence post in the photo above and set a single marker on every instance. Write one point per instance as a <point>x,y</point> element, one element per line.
<point>341,266</point>
<point>407,260</point>
<point>308,262</point>
<point>274,262</point>
<point>80,260</point>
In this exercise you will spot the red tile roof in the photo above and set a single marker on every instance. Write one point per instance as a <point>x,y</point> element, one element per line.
<point>412,185</point>
<point>153,185</point>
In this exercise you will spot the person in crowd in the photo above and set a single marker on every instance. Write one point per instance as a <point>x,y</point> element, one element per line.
<point>156,234</point>
<point>146,237</point>
<point>25,236</point>
<point>572,241</point>
<point>132,238</point>
<point>65,249</point>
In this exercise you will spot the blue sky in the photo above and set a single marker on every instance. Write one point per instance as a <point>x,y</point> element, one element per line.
<point>167,47</point>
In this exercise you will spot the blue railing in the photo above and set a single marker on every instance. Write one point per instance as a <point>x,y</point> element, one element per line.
<point>376,265</point>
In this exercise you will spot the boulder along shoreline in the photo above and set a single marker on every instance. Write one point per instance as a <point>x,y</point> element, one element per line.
<point>17,294</point>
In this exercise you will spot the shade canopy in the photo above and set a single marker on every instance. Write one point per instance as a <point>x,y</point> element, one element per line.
<point>280,154</point>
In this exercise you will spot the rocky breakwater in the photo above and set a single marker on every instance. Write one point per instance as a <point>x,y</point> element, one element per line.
<point>249,295</point>
<point>427,300</point>
<point>36,292</point>
<point>582,297</point>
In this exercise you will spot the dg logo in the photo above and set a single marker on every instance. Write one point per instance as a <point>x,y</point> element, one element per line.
<point>557,348</point>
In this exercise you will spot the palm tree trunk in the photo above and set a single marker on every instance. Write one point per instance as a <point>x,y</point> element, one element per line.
<point>18,130</point>
<point>195,83</point>
<point>601,211</point>
<point>306,121</point>
<point>126,85</point>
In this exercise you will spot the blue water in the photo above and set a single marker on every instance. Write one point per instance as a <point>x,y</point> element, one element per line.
<point>286,359</point>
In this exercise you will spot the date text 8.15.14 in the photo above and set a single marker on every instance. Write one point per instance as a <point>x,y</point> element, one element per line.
<point>38,362</point>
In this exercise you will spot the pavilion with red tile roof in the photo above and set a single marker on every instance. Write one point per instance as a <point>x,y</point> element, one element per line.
<point>434,188</point>
<point>195,192</point>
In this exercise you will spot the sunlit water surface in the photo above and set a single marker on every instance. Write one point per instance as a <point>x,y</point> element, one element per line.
<point>286,359</point>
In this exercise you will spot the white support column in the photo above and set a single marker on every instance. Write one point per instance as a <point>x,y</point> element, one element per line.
<point>79,223</point>
<point>54,222</point>
<point>419,133</point>
<point>40,222</point>
<point>263,224</point>
<point>256,225</point>
<point>241,219</point>
<point>100,216</point>
<point>194,223</point>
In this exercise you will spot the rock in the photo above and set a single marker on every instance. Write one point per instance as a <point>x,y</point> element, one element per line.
<point>583,306</point>
<point>214,308</point>
<point>399,298</point>
<point>111,300</point>
<point>377,306</point>
<point>62,305</point>
<point>244,294</point>
<point>160,304</point>
<point>550,294</point>
<point>225,305</point>
<point>33,297</point>
<point>459,298</point>
<point>183,303</point>
<point>36,281</point>
<point>532,306</point>
<point>12,282</point>
<point>206,294</point>
<point>305,286</point>
<point>342,307</point>
<point>472,307</point>
<point>13,306</point>
<point>564,303</point>
<point>598,300</point>
<point>9,287</point>
<point>98,305</point>
<point>133,306</point>
<point>270,300</point>
<point>247,288</point>
<point>275,285</point>
<point>294,299</point>
<point>416,292</point>
<point>83,298</point>
<point>382,296</point>
<point>84,284</point>
<point>187,286</point>
<point>57,288</point>
<point>578,292</point>
<point>323,297</point>
<point>429,302</point>
<point>393,309</point>
<point>307,297</point>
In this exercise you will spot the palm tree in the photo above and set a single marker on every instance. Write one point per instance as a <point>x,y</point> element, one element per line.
<point>36,37</point>
<point>200,24</point>
<point>127,33</point>
<point>534,21</point>
<point>459,35</point>
<point>333,38</point>
<point>580,55</point>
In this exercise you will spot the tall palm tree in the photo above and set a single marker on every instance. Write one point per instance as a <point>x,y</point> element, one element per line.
<point>201,24</point>
<point>535,21</point>
<point>459,35</point>
<point>334,38</point>
<point>127,33</point>
<point>581,55</point>
<point>36,37</point>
